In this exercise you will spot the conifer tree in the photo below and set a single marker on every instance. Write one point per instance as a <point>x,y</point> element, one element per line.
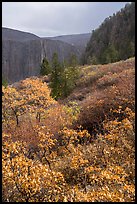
<point>4,82</point>
<point>45,67</point>
<point>63,76</point>
<point>56,76</point>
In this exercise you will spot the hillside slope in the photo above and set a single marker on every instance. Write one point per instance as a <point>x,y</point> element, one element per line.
<point>114,39</point>
<point>74,150</point>
<point>101,88</point>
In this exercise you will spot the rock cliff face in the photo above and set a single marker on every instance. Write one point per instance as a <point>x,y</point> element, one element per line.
<point>22,53</point>
<point>63,49</point>
<point>78,40</point>
<point>20,59</point>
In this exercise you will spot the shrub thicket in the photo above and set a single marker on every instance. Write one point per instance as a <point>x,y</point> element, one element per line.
<point>52,155</point>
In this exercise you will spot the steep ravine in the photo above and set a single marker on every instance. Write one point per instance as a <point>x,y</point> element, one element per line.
<point>22,53</point>
<point>23,59</point>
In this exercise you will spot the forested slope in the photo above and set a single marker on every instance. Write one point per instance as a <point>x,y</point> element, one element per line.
<point>114,39</point>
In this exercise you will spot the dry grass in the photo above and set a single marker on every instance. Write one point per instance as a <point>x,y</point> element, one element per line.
<point>113,86</point>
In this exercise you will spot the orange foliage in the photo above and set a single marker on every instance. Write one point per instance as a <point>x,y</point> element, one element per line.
<point>44,159</point>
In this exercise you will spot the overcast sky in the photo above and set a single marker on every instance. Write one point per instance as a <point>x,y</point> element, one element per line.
<point>57,18</point>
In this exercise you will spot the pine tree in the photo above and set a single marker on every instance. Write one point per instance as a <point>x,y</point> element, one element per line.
<point>4,82</point>
<point>56,77</point>
<point>92,60</point>
<point>74,72</point>
<point>63,76</point>
<point>110,55</point>
<point>45,67</point>
<point>69,76</point>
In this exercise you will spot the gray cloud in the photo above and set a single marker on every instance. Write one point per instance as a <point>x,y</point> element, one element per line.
<point>57,18</point>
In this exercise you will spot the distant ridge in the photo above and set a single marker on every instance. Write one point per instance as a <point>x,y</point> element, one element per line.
<point>11,34</point>
<point>78,40</point>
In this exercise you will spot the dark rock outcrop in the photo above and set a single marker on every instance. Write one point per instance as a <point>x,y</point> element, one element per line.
<point>20,59</point>
<point>22,55</point>
<point>78,40</point>
<point>63,49</point>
